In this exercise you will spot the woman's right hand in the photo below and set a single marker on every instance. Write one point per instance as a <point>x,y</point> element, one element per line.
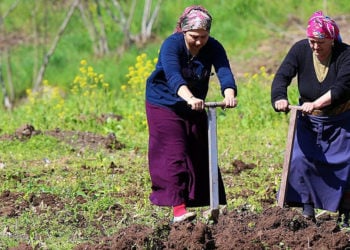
<point>195,103</point>
<point>282,105</point>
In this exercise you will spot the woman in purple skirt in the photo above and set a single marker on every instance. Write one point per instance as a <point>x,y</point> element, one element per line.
<point>320,166</point>
<point>177,122</point>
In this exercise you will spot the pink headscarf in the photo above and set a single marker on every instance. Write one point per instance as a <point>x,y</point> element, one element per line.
<point>194,17</point>
<point>320,26</point>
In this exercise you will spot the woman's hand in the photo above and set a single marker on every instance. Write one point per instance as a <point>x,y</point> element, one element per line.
<point>230,100</point>
<point>186,94</point>
<point>195,103</point>
<point>282,105</point>
<point>307,107</point>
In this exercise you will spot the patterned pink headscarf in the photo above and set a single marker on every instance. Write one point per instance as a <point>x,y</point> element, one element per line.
<point>194,17</point>
<point>320,26</point>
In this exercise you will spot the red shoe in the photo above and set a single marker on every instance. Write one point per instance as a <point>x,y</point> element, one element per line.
<point>185,217</point>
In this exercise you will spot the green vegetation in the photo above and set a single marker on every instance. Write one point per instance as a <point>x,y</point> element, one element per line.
<point>80,88</point>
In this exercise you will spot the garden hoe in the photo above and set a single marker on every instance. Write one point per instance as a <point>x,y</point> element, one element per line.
<point>214,210</point>
<point>287,155</point>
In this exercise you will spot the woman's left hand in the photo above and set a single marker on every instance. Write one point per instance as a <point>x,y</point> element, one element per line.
<point>307,107</point>
<point>230,100</point>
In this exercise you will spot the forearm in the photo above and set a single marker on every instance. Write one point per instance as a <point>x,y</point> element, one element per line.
<point>323,101</point>
<point>185,93</point>
<point>319,103</point>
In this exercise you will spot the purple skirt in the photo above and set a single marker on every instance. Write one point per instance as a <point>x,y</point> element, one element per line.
<point>320,166</point>
<point>178,158</point>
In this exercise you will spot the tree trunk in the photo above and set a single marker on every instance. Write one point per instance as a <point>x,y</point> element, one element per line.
<point>8,97</point>
<point>54,45</point>
<point>102,36</point>
<point>148,21</point>
<point>9,74</point>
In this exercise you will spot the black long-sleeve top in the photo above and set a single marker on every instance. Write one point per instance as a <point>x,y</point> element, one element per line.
<point>299,62</point>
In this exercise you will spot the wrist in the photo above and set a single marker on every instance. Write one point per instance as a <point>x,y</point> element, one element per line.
<point>189,98</point>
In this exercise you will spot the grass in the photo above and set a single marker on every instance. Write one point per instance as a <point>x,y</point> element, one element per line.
<point>116,185</point>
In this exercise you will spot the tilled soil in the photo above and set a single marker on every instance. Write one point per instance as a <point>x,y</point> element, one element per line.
<point>274,228</point>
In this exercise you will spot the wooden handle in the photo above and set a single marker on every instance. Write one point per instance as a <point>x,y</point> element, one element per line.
<point>214,104</point>
<point>288,155</point>
<point>294,107</point>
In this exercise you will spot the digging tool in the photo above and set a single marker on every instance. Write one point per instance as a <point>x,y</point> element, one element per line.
<point>214,211</point>
<point>287,155</point>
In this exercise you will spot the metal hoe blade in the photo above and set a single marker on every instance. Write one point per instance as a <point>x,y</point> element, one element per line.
<point>213,164</point>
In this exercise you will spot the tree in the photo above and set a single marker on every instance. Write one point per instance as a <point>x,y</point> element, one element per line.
<point>96,28</point>
<point>47,56</point>
<point>123,16</point>
<point>5,56</point>
<point>97,36</point>
<point>95,15</point>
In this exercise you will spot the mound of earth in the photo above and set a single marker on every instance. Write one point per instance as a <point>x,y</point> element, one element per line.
<point>275,228</point>
<point>79,140</point>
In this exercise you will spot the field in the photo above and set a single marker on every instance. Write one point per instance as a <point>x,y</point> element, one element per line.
<point>74,173</point>
<point>92,212</point>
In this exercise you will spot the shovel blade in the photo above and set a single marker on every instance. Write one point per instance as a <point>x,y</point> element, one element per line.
<point>213,160</point>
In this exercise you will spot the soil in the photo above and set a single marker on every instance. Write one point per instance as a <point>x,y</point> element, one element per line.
<point>274,228</point>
